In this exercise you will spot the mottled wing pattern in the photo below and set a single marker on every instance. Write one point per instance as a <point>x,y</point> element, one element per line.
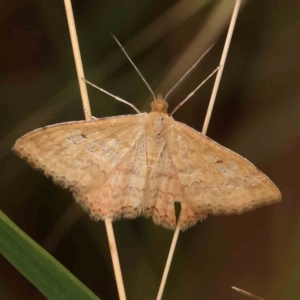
<point>78,155</point>
<point>131,165</point>
<point>122,192</point>
<point>214,179</point>
<point>164,190</point>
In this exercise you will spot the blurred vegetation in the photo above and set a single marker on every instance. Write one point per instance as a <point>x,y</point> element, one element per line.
<point>256,114</point>
<point>41,269</point>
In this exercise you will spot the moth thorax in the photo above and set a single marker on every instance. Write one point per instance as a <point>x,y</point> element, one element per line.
<point>155,137</point>
<point>159,105</point>
<point>156,127</point>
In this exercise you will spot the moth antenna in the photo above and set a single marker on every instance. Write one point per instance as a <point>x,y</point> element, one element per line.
<point>148,86</point>
<point>194,91</point>
<point>116,97</point>
<point>187,73</point>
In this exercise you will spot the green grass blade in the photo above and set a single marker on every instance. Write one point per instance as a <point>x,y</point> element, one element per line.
<point>38,266</point>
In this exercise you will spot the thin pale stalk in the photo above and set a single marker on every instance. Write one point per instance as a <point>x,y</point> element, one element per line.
<point>78,60</point>
<point>115,258</point>
<point>222,64</point>
<point>247,293</point>
<point>168,263</point>
<point>88,116</point>
<point>204,130</point>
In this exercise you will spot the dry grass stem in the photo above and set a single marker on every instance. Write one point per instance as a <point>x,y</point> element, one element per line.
<point>247,293</point>
<point>88,116</point>
<point>204,130</point>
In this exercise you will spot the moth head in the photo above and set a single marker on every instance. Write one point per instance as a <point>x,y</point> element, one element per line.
<point>159,105</point>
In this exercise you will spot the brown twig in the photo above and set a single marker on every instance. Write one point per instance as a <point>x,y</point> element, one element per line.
<point>247,293</point>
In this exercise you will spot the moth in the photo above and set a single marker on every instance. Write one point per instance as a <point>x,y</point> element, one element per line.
<point>127,166</point>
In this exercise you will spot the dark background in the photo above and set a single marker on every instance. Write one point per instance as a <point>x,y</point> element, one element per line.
<point>257,114</point>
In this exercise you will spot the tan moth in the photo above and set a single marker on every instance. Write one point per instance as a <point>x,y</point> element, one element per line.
<point>127,166</point>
